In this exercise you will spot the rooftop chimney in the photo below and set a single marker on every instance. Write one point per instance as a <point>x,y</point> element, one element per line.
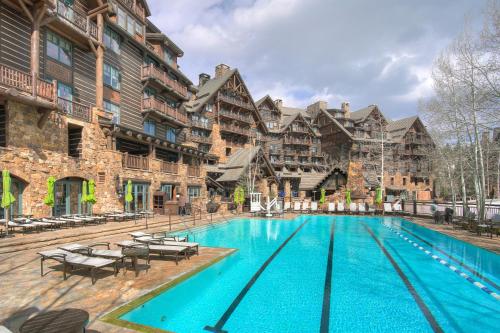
<point>346,108</point>
<point>203,78</point>
<point>314,109</point>
<point>221,70</point>
<point>278,102</point>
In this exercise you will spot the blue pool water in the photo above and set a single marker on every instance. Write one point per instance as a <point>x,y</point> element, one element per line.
<point>332,274</point>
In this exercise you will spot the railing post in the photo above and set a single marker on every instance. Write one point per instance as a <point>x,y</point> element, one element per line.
<point>33,84</point>
<point>54,91</point>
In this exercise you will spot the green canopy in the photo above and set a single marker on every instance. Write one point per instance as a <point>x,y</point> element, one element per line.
<point>378,196</point>
<point>128,196</point>
<point>348,197</point>
<point>84,192</point>
<point>322,197</point>
<point>7,197</point>
<point>239,195</point>
<point>91,195</point>
<point>49,198</point>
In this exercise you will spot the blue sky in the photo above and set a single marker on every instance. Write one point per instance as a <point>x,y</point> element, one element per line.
<point>361,51</point>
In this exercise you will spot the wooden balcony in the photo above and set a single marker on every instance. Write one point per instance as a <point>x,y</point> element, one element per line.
<point>193,171</point>
<point>75,110</point>
<point>200,124</point>
<point>163,109</point>
<point>234,129</point>
<point>297,141</point>
<point>235,101</point>
<point>136,162</point>
<point>235,116</point>
<point>134,8</point>
<point>23,82</point>
<point>277,161</point>
<point>169,167</point>
<point>199,139</point>
<point>152,72</point>
<point>78,20</point>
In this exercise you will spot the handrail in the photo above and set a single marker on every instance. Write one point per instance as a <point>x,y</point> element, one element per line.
<point>159,74</point>
<point>77,19</point>
<point>75,109</point>
<point>23,81</point>
<point>164,109</point>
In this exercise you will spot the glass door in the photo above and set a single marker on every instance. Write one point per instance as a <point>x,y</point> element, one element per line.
<point>68,194</point>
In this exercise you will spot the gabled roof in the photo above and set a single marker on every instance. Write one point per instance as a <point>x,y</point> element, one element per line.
<point>288,111</point>
<point>269,100</point>
<point>310,181</point>
<point>335,121</point>
<point>288,120</point>
<point>398,128</point>
<point>240,161</point>
<point>363,113</point>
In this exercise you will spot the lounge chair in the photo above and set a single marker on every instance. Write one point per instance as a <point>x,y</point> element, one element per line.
<point>305,207</point>
<point>192,246</point>
<point>57,223</point>
<point>4,329</point>
<point>314,207</point>
<point>24,226</point>
<point>90,250</point>
<point>75,260</point>
<point>340,207</point>
<point>369,209</point>
<point>361,208</point>
<point>353,208</point>
<point>175,251</point>
<point>297,206</point>
<point>387,208</point>
<point>287,206</point>
<point>331,207</point>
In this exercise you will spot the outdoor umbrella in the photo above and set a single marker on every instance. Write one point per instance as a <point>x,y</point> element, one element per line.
<point>378,196</point>
<point>49,198</point>
<point>128,196</point>
<point>84,193</point>
<point>348,197</point>
<point>91,195</point>
<point>322,197</point>
<point>7,197</point>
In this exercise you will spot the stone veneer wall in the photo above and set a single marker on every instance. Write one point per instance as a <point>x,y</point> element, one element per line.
<point>33,154</point>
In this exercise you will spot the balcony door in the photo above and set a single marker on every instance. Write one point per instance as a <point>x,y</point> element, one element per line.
<point>68,195</point>
<point>140,193</point>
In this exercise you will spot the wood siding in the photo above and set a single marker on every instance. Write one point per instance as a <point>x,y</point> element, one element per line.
<point>84,76</point>
<point>15,41</point>
<point>131,87</point>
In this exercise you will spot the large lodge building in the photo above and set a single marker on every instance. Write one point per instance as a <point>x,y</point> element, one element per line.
<point>91,89</point>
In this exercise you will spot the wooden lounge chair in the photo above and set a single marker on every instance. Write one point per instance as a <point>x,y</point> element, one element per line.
<point>340,207</point>
<point>361,208</point>
<point>314,207</point>
<point>397,208</point>
<point>163,250</point>
<point>331,207</point>
<point>369,209</point>
<point>72,261</point>
<point>353,208</point>
<point>305,207</point>
<point>387,208</point>
<point>287,206</point>
<point>297,206</point>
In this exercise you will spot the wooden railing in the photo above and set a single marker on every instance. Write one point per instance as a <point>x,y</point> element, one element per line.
<point>75,110</point>
<point>135,162</point>
<point>23,81</point>
<point>236,101</point>
<point>236,116</point>
<point>132,5</point>
<point>150,71</point>
<point>169,167</point>
<point>163,108</point>
<point>235,129</point>
<point>296,141</point>
<point>200,124</point>
<point>199,138</point>
<point>193,171</point>
<point>77,19</point>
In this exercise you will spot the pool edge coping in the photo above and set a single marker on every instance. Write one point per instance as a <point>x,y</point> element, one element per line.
<point>113,317</point>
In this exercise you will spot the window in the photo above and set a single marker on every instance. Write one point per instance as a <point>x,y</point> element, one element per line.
<point>111,77</point>
<point>168,189</point>
<point>228,151</point>
<point>392,180</point>
<point>169,57</point>
<point>122,18</point>
<point>171,134</point>
<point>129,24</point>
<point>149,92</point>
<point>112,40</point>
<point>59,48</point>
<point>193,192</point>
<point>150,127</point>
<point>114,110</point>
<point>404,181</point>
<point>209,107</point>
<point>74,141</point>
<point>65,94</point>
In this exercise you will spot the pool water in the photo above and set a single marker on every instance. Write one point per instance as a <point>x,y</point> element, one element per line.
<point>332,274</point>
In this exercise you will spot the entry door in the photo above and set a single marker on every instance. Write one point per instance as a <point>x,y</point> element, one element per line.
<point>141,197</point>
<point>68,195</point>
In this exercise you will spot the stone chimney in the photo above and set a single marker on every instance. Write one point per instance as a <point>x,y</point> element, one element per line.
<point>314,109</point>
<point>203,78</point>
<point>221,69</point>
<point>278,102</point>
<point>347,109</point>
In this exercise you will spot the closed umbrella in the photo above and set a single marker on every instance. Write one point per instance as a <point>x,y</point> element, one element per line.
<point>322,197</point>
<point>83,199</point>
<point>378,196</point>
<point>91,195</point>
<point>348,197</point>
<point>49,198</point>
<point>7,197</point>
<point>128,196</point>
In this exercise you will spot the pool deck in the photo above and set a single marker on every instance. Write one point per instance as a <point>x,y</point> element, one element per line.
<point>25,292</point>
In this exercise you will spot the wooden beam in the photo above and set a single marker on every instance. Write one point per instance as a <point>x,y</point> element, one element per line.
<point>25,10</point>
<point>45,113</point>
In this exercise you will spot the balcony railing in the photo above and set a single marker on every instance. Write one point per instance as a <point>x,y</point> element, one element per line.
<point>75,110</point>
<point>151,103</point>
<point>132,5</point>
<point>169,167</point>
<point>135,162</point>
<point>150,71</point>
<point>193,171</point>
<point>23,81</point>
<point>201,124</point>
<point>236,116</point>
<point>236,101</point>
<point>297,141</point>
<point>235,129</point>
<point>199,139</point>
<point>79,20</point>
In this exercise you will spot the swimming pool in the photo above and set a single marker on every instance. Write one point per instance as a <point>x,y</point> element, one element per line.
<point>332,274</point>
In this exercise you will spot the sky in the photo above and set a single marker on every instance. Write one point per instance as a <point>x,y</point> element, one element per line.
<point>301,51</point>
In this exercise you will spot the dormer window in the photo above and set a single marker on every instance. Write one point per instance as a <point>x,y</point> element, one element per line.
<point>169,57</point>
<point>209,107</point>
<point>129,24</point>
